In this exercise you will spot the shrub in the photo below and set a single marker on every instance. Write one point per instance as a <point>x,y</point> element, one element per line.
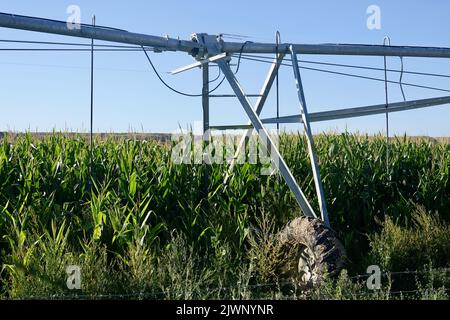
<point>426,241</point>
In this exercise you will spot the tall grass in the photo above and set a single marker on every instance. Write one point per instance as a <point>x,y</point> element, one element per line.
<point>144,222</point>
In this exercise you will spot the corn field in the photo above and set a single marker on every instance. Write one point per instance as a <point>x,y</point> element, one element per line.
<point>140,223</point>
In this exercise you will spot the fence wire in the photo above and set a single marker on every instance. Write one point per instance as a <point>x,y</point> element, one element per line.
<point>243,289</point>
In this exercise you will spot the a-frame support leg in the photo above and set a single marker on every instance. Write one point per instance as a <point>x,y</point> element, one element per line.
<point>258,108</point>
<point>267,141</point>
<point>311,147</point>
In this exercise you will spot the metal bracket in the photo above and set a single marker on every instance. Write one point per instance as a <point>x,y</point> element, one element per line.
<point>210,45</point>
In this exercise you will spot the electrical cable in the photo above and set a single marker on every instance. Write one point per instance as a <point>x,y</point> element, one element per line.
<point>173,89</point>
<point>240,56</point>
<point>68,50</point>
<point>351,75</point>
<point>70,44</point>
<point>401,79</point>
<point>248,57</point>
<point>350,66</point>
<point>137,48</point>
<point>216,78</point>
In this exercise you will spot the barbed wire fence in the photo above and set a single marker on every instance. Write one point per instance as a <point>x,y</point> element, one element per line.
<point>275,290</point>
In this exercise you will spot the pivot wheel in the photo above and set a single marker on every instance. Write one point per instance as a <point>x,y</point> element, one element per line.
<point>310,250</point>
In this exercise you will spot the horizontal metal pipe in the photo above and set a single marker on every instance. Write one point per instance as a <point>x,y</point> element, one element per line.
<point>114,35</point>
<point>231,127</point>
<point>341,49</point>
<point>90,32</point>
<point>347,113</point>
<point>361,111</point>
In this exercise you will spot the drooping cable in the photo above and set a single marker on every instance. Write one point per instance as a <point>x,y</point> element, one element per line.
<point>138,48</point>
<point>240,56</point>
<point>351,75</point>
<point>173,89</point>
<point>401,79</point>
<point>216,78</point>
<point>348,66</point>
<point>248,57</point>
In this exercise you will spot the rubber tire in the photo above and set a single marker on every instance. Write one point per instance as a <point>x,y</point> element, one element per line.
<point>310,251</point>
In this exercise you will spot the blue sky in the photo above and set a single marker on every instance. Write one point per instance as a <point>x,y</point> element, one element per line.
<point>50,90</point>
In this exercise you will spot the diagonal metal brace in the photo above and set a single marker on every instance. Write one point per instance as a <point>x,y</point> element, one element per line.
<point>311,147</point>
<point>258,108</point>
<point>267,141</point>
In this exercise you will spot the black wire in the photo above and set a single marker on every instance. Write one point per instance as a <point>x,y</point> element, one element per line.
<point>352,66</point>
<point>137,48</point>
<point>240,56</point>
<point>243,56</point>
<point>216,78</point>
<point>68,50</point>
<point>401,79</point>
<point>352,75</point>
<point>69,44</point>
<point>173,89</point>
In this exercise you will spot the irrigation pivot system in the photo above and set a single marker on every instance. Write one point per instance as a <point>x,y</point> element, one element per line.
<point>207,49</point>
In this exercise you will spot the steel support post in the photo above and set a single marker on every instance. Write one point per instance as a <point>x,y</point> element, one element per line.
<point>205,102</point>
<point>267,141</point>
<point>311,147</point>
<point>206,134</point>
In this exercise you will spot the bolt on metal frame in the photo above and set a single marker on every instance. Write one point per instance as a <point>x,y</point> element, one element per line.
<point>212,49</point>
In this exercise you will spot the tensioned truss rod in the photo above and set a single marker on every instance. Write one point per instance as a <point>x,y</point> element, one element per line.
<point>8,20</point>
